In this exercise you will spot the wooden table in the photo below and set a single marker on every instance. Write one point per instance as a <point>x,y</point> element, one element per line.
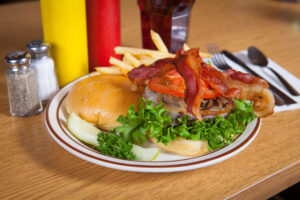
<point>34,166</point>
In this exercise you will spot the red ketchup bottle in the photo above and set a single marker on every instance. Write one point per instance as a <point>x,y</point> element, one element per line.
<point>103,30</point>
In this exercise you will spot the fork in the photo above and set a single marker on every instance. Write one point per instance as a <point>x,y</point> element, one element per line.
<point>217,57</point>
<point>219,61</point>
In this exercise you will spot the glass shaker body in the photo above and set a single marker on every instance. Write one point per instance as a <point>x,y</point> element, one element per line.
<point>43,66</point>
<point>22,89</point>
<point>45,77</point>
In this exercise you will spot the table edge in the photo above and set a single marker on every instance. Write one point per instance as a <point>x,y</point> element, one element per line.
<point>268,186</point>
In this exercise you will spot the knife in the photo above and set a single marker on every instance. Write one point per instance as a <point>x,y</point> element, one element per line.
<point>277,93</point>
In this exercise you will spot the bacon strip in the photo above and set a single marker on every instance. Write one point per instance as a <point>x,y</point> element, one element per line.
<point>245,78</point>
<point>189,67</point>
<point>254,89</point>
<point>218,81</point>
<point>229,84</point>
<point>142,73</point>
<point>241,86</point>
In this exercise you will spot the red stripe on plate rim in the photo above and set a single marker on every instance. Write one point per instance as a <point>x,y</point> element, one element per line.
<point>54,133</point>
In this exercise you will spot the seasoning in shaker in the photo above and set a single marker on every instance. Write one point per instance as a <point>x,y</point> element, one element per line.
<point>44,69</point>
<point>22,89</point>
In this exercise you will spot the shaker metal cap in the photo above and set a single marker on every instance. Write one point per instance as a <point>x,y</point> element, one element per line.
<point>38,46</point>
<point>18,58</point>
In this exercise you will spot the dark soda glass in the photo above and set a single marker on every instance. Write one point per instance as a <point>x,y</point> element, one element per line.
<point>169,18</point>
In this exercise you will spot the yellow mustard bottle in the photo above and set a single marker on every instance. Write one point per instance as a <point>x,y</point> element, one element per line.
<point>64,27</point>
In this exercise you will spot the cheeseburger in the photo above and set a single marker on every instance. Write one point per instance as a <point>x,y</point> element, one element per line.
<point>184,85</point>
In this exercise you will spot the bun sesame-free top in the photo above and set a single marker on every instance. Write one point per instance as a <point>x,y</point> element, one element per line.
<point>102,99</point>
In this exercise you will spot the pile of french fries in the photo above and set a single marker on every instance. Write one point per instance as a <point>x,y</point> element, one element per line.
<point>134,57</point>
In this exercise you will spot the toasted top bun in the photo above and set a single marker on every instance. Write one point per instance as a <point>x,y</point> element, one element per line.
<point>184,147</point>
<point>102,99</point>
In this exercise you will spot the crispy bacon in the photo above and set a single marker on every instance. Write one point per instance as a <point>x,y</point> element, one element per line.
<point>253,89</point>
<point>189,67</point>
<point>218,81</point>
<point>194,71</point>
<point>245,78</point>
<point>142,73</point>
<point>241,86</point>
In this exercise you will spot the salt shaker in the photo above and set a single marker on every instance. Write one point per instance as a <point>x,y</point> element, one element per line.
<point>22,88</point>
<point>43,66</point>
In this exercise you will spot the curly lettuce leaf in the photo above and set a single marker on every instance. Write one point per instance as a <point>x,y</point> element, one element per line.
<point>150,118</point>
<point>154,119</point>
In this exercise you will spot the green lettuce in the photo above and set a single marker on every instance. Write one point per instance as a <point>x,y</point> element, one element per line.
<point>154,119</point>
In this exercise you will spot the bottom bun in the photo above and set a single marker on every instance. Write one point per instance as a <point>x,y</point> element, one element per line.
<point>184,147</point>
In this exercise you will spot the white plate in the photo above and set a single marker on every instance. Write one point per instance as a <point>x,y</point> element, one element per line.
<point>55,121</point>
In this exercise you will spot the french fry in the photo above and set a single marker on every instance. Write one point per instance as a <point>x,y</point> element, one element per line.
<point>135,62</point>
<point>134,57</point>
<point>202,54</point>
<point>147,61</point>
<point>161,56</point>
<point>120,64</point>
<point>138,51</point>
<point>125,60</point>
<point>95,73</point>
<point>140,57</point>
<point>185,47</point>
<point>160,45</point>
<point>108,70</point>
<point>124,71</point>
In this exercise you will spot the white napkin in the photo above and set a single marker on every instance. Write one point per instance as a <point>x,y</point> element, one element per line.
<point>270,77</point>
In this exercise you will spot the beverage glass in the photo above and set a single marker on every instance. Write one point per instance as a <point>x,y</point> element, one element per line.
<point>169,18</point>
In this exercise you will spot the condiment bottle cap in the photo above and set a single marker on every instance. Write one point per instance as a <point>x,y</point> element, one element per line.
<point>18,58</point>
<point>38,46</point>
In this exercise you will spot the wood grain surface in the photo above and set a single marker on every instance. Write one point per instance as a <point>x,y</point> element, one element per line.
<point>33,166</point>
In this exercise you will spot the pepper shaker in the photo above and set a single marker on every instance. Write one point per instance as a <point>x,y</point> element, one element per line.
<point>43,66</point>
<point>22,89</point>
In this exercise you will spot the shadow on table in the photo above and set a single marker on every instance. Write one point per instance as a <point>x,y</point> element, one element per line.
<point>4,104</point>
<point>291,193</point>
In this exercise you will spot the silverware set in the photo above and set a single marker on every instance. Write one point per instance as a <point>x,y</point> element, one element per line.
<point>257,58</point>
